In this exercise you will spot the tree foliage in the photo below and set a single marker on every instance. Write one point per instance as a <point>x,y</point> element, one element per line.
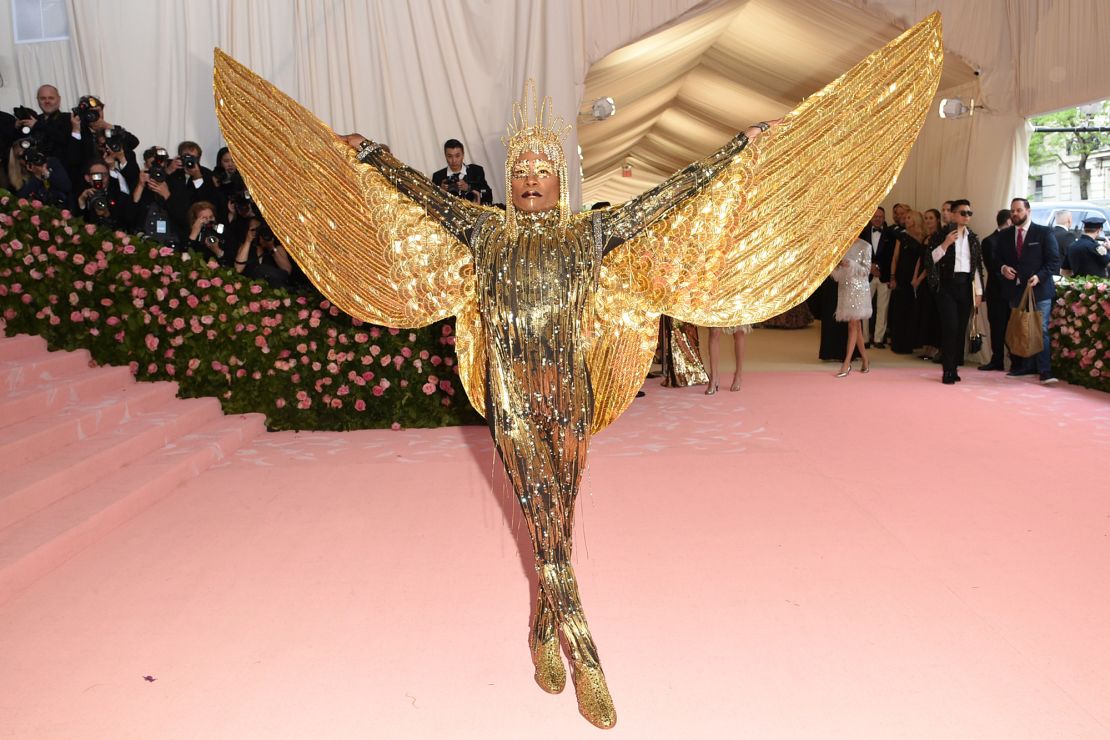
<point>1072,149</point>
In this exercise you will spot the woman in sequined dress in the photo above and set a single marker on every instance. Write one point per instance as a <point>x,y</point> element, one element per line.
<point>853,301</point>
<point>738,334</point>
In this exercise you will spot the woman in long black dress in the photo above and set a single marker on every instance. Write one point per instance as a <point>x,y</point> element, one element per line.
<point>906,266</point>
<point>927,322</point>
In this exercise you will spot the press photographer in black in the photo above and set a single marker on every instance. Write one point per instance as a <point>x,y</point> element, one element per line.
<point>261,256</point>
<point>51,126</point>
<point>102,202</point>
<point>197,178</point>
<point>87,126</point>
<point>226,177</point>
<point>160,202</point>
<point>123,166</point>
<point>42,178</point>
<point>463,180</point>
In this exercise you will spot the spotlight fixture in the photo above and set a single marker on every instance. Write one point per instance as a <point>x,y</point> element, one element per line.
<point>957,108</point>
<point>600,109</point>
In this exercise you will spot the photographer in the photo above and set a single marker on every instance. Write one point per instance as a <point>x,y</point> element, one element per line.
<point>87,124</point>
<point>102,202</point>
<point>208,237</point>
<point>51,127</point>
<point>226,178</point>
<point>161,203</point>
<point>44,178</point>
<point>463,180</point>
<point>261,256</point>
<point>123,167</point>
<point>197,179</point>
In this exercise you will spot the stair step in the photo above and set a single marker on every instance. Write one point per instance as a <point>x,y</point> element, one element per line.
<point>19,373</point>
<point>50,395</point>
<point>38,484</point>
<point>41,435</point>
<point>21,345</point>
<point>47,538</point>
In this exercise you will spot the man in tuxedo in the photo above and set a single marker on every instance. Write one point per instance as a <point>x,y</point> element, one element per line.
<point>1028,254</point>
<point>952,262</point>
<point>463,180</point>
<point>882,252</point>
<point>998,301</point>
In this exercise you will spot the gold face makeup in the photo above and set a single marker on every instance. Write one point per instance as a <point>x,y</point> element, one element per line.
<point>535,183</point>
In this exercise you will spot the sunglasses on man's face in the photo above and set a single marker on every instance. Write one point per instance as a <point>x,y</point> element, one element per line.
<point>963,213</point>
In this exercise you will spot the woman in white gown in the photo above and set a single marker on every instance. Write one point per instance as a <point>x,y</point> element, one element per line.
<point>853,301</point>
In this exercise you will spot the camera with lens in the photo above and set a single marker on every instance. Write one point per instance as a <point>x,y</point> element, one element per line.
<point>159,157</point>
<point>453,182</point>
<point>113,138</point>
<point>265,233</point>
<point>88,109</point>
<point>99,180</point>
<point>188,161</point>
<point>211,234</point>
<point>156,173</point>
<point>33,156</point>
<point>100,204</point>
<point>243,203</point>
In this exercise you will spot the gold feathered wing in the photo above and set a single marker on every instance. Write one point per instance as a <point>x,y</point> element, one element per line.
<point>373,251</point>
<point>764,233</point>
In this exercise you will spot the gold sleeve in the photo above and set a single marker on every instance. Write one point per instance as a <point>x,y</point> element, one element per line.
<point>771,224</point>
<point>375,238</point>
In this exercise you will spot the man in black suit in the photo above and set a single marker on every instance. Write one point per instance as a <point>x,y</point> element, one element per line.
<point>998,301</point>
<point>1065,237</point>
<point>882,253</point>
<point>464,180</point>
<point>952,264</point>
<point>1028,254</point>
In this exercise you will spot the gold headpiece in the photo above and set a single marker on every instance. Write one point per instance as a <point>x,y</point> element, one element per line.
<point>531,131</point>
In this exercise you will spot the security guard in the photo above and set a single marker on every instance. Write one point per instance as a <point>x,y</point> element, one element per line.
<point>1088,254</point>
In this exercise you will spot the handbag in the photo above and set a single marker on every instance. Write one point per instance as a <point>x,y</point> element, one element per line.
<point>1024,336</point>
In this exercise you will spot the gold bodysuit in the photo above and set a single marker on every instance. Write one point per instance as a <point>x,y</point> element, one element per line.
<point>557,313</point>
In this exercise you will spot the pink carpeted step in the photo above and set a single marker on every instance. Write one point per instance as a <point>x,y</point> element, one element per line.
<point>40,542</point>
<point>36,485</point>
<point>20,346</point>
<point>50,396</point>
<point>33,369</point>
<point>41,435</point>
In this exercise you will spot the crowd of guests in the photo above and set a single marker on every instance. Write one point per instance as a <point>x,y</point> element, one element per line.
<point>914,285</point>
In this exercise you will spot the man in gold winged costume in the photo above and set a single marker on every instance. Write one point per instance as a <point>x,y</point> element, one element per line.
<point>557,311</point>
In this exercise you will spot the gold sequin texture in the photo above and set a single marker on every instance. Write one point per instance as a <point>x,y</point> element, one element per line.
<point>557,312</point>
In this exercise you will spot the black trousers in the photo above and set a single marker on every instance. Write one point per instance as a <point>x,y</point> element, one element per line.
<point>998,314</point>
<point>954,307</point>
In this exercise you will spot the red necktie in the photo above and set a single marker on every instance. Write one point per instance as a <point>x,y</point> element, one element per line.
<point>1020,242</point>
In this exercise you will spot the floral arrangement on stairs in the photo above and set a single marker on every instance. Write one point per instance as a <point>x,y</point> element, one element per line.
<point>1080,330</point>
<point>172,316</point>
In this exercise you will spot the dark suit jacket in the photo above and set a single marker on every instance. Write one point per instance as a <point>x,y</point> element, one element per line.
<point>995,290</point>
<point>1040,256</point>
<point>1086,259</point>
<point>884,253</point>
<point>1064,239</point>
<point>942,271</point>
<point>475,178</point>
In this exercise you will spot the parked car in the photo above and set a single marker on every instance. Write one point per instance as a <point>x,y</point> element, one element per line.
<point>1045,213</point>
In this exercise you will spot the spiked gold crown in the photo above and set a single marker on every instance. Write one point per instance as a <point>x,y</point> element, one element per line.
<point>534,129</point>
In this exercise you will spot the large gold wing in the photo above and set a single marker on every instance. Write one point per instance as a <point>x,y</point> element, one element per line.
<point>376,253</point>
<point>764,233</point>
<point>372,250</point>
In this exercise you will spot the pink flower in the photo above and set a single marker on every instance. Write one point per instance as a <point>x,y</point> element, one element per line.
<point>151,342</point>
<point>280,403</point>
<point>395,426</point>
<point>377,390</point>
<point>360,405</point>
<point>428,388</point>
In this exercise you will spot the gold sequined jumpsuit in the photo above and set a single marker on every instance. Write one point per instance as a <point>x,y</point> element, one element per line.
<point>535,293</point>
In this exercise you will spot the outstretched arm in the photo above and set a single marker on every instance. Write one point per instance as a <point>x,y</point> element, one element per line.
<point>457,215</point>
<point>629,219</point>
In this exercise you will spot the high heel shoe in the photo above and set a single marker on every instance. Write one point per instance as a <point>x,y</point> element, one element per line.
<point>844,373</point>
<point>713,386</point>
<point>735,385</point>
<point>866,367</point>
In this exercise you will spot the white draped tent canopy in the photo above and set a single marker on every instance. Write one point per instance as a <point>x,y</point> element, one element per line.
<point>685,74</point>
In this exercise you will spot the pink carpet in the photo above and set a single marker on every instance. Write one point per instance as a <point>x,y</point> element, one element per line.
<point>873,557</point>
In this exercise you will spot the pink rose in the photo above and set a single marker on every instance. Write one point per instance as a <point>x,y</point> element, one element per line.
<point>151,342</point>
<point>360,405</point>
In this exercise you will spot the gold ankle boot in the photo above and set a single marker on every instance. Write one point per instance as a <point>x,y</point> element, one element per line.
<point>551,674</point>
<point>594,701</point>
